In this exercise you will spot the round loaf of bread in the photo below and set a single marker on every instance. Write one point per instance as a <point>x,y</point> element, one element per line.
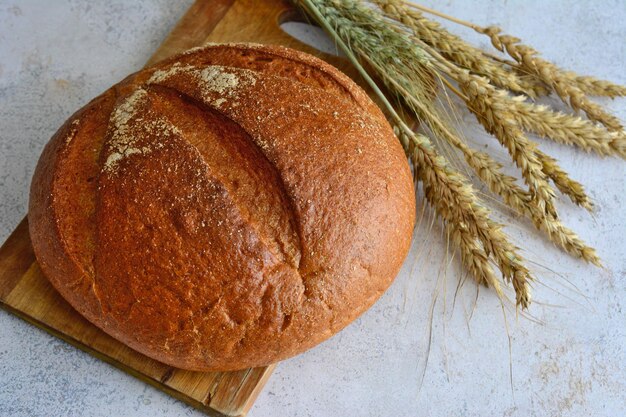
<point>227,208</point>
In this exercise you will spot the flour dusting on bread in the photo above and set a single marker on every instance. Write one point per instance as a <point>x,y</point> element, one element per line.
<point>217,80</point>
<point>213,80</point>
<point>224,81</point>
<point>162,75</point>
<point>73,131</point>
<point>128,129</point>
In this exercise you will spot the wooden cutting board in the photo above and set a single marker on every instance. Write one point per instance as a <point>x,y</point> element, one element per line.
<point>25,292</point>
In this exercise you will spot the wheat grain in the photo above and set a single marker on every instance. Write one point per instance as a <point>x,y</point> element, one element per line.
<point>562,83</point>
<point>455,49</point>
<point>407,54</point>
<point>474,257</point>
<point>456,202</point>
<point>596,87</point>
<point>573,189</point>
<point>567,129</point>
<point>487,169</point>
<point>489,108</point>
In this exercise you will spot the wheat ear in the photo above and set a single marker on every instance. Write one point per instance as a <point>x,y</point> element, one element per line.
<point>487,169</point>
<point>567,129</point>
<point>456,202</point>
<point>536,168</point>
<point>490,107</point>
<point>448,191</point>
<point>489,172</point>
<point>566,185</point>
<point>562,82</point>
<point>456,49</point>
<point>596,87</point>
<point>486,103</point>
<point>499,113</point>
<point>587,84</point>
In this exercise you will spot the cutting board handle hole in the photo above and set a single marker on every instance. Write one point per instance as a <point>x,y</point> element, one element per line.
<point>309,34</point>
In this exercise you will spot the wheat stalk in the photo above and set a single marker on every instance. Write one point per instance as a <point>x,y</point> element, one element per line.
<point>568,129</point>
<point>566,86</point>
<point>489,107</point>
<point>408,52</point>
<point>566,185</point>
<point>596,87</point>
<point>492,108</point>
<point>457,50</point>
<point>588,84</point>
<point>447,190</point>
<point>456,202</point>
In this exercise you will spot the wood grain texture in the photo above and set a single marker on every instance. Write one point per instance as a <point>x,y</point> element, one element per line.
<point>193,28</point>
<point>16,256</point>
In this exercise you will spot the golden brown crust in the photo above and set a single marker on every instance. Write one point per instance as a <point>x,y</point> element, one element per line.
<point>226,208</point>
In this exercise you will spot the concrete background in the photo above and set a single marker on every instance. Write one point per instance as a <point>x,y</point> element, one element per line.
<point>56,55</point>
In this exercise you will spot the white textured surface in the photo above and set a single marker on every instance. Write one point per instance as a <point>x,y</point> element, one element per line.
<point>55,56</point>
